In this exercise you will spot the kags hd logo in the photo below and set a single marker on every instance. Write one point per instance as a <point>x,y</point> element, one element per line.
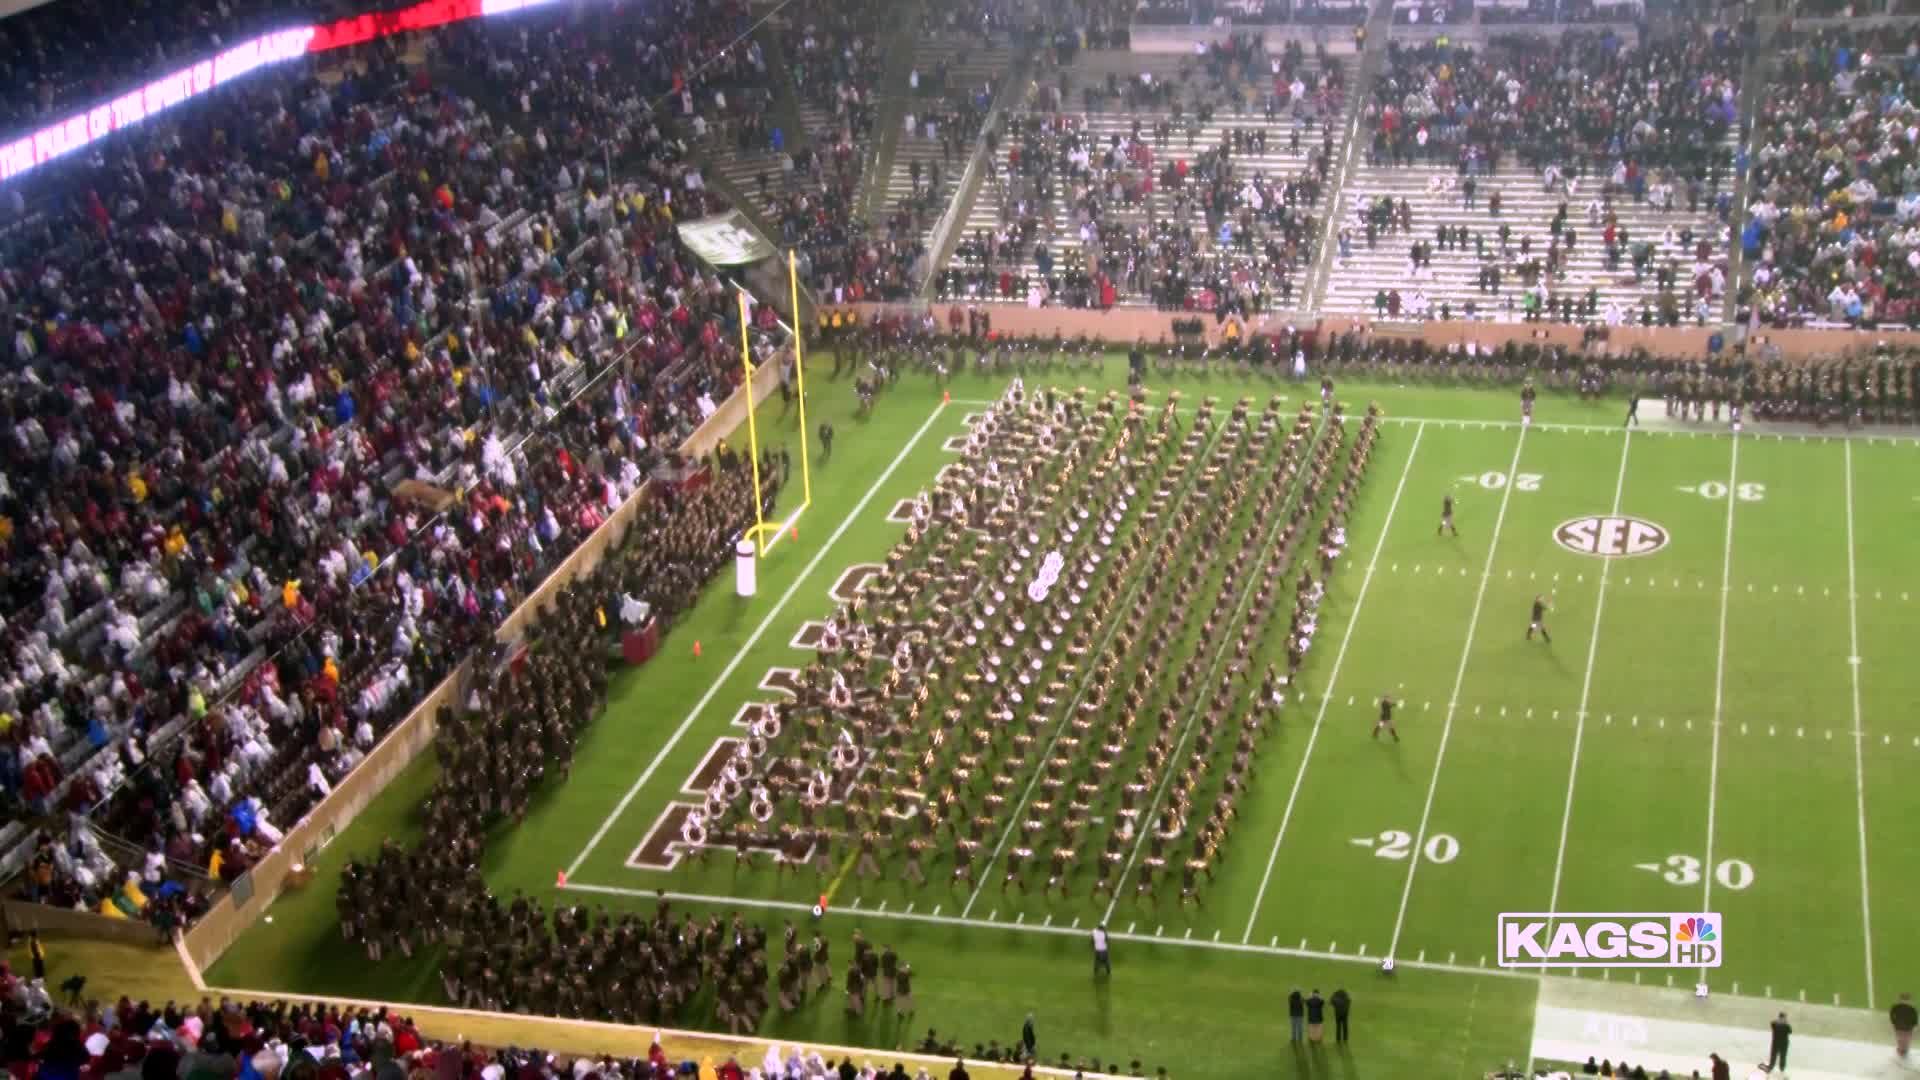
<point>1595,939</point>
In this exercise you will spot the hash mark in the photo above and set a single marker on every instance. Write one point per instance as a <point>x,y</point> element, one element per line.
<point>1130,927</point>
<point>1303,943</point>
<point>1275,943</point>
<point>1450,957</point>
<point>936,909</point>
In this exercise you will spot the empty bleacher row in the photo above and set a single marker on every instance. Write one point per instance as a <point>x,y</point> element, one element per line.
<point>1165,180</point>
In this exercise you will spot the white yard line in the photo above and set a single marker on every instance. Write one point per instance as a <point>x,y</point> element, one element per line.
<point>1580,716</point>
<point>1720,680</point>
<point>1453,699</point>
<point>1333,676</point>
<point>726,673</point>
<point>1859,761</point>
<point>1045,929</point>
<point>1586,695</point>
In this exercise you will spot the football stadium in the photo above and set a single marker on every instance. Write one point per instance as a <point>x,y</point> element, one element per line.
<point>859,538</point>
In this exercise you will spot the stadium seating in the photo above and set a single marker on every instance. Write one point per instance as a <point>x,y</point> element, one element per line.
<point>1644,204</point>
<point>218,598</point>
<point>1154,113</point>
<point>1830,222</point>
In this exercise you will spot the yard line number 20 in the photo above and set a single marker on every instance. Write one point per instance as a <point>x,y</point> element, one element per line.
<point>1526,481</point>
<point>1439,848</point>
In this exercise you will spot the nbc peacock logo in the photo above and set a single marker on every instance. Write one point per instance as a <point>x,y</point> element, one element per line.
<point>1695,930</point>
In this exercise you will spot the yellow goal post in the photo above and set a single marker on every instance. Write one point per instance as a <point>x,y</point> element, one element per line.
<point>766,534</point>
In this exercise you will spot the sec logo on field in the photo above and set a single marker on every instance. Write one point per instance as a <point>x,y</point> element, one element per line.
<point>1611,537</point>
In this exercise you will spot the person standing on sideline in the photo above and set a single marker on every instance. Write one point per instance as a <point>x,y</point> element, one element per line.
<point>1777,1052</point>
<point>1633,409</point>
<point>1905,1018</point>
<point>1316,1016</point>
<point>1342,1005</point>
<point>1297,1014</point>
<point>826,440</point>
<point>37,953</point>
<point>1102,960</point>
<point>1721,1070</point>
<point>1027,1039</point>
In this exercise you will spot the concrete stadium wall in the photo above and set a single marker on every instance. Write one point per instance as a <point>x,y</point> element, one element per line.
<point>228,918</point>
<point>23,915</point>
<point>1124,326</point>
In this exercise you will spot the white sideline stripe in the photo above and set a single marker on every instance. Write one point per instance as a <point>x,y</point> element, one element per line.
<point>977,923</point>
<point>1719,682</point>
<point>1333,677</point>
<point>747,647</point>
<point>1459,680</point>
<point>1580,723</point>
<point>1536,425</point>
<point>1859,763</point>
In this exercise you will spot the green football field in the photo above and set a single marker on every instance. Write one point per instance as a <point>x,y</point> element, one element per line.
<point>1721,723</point>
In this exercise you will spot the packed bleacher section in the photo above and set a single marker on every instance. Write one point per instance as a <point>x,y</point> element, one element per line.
<point>250,323</point>
<point>1577,178</point>
<point>280,1040</point>
<point>1178,182</point>
<point>1831,229</point>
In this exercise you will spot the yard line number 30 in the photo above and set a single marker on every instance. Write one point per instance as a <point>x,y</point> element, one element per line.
<point>1733,874</point>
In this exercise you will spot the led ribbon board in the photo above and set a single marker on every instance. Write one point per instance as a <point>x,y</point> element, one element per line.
<point>87,126</point>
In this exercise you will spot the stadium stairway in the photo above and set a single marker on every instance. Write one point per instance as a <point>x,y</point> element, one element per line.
<point>1059,230</point>
<point>973,70</point>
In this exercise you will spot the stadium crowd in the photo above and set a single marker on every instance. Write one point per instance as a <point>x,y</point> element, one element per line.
<point>1831,230</point>
<point>240,328</point>
<point>280,1040</point>
<point>1154,213</point>
<point>1599,123</point>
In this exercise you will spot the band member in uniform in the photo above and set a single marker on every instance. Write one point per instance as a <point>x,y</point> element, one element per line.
<point>1446,516</point>
<point>1386,718</point>
<point>1526,402</point>
<point>1539,620</point>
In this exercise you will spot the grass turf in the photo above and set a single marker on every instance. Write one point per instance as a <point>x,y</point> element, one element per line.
<point>1503,796</point>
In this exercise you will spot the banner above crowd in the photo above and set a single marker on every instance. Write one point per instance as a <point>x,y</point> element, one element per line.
<point>725,240</point>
